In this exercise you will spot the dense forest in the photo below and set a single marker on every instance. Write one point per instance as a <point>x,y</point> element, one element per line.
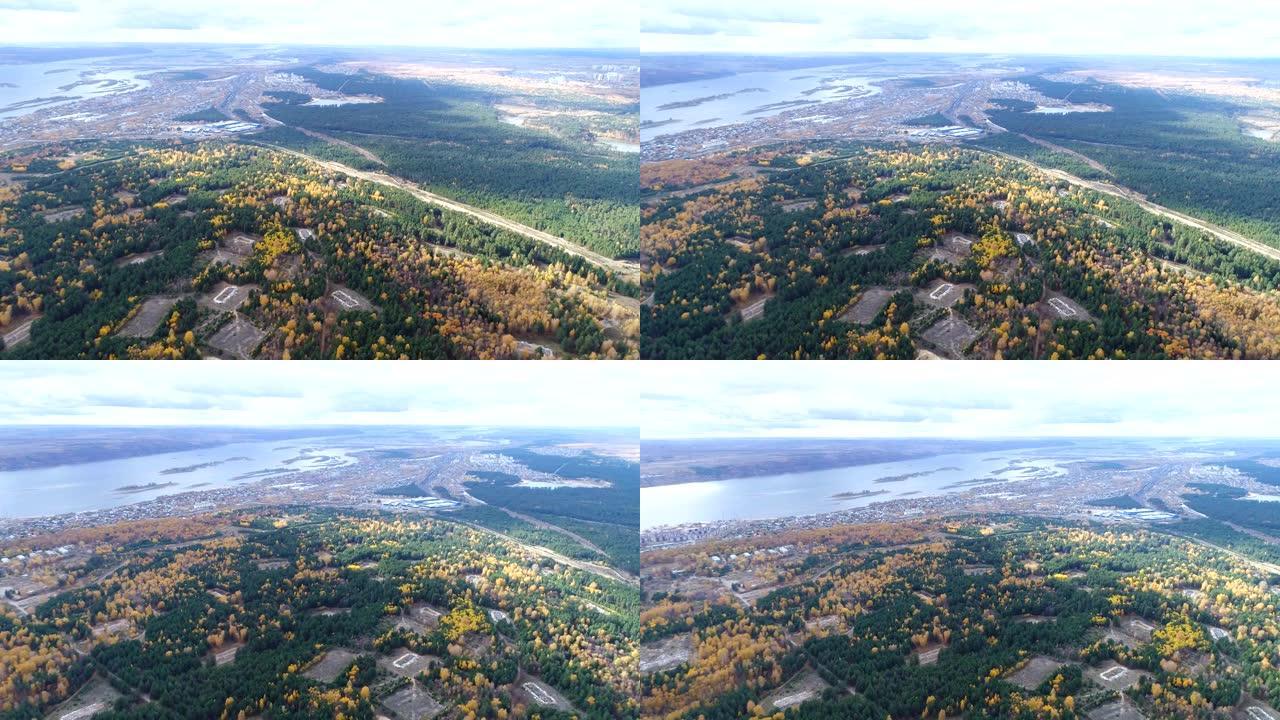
<point>450,139</point>
<point>147,235</point>
<point>1186,152</point>
<point>1004,618</point>
<point>831,251</point>
<point>607,517</point>
<point>1227,504</point>
<point>300,615</point>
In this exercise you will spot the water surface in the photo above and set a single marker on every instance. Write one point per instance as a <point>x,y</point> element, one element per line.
<point>745,97</point>
<point>112,483</point>
<point>26,88</point>
<point>821,491</point>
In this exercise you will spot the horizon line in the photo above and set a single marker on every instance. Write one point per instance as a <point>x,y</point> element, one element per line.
<point>1030,53</point>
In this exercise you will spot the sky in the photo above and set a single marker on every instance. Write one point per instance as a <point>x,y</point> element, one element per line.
<point>283,394</point>
<point>959,400</point>
<point>440,23</point>
<point>1226,28</point>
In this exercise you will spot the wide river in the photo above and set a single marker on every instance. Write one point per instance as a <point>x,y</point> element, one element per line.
<point>111,483</point>
<point>674,108</point>
<point>29,87</point>
<point>822,491</point>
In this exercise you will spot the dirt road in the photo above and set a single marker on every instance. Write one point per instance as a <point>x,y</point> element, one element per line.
<point>554,528</point>
<point>367,155</point>
<point>629,271</point>
<point>1265,567</point>
<point>1218,231</point>
<point>1068,151</point>
<point>603,571</point>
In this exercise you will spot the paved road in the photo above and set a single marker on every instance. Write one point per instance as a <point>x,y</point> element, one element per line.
<point>1106,188</point>
<point>629,271</point>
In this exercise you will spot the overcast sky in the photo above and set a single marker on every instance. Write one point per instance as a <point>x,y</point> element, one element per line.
<point>963,400</point>
<point>1225,28</point>
<point>319,393</point>
<point>435,23</point>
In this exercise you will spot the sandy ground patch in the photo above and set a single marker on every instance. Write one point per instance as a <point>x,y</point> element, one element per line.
<point>1117,710</point>
<point>942,293</point>
<point>868,305</point>
<point>412,703</point>
<point>149,317</point>
<point>330,665</point>
<point>754,307</point>
<point>58,215</point>
<point>1060,307</point>
<point>804,686</point>
<point>666,653</point>
<point>239,338</point>
<point>951,334</point>
<point>344,299</point>
<point>1036,671</point>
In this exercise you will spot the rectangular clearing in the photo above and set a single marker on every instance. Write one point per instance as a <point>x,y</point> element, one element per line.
<point>804,686</point>
<point>755,308</point>
<point>1036,671</point>
<point>345,299</point>
<point>1115,676</point>
<point>868,306</point>
<point>58,215</point>
<point>147,320</point>
<point>412,703</point>
<point>20,333</point>
<point>225,296</point>
<point>542,693</point>
<point>943,294</point>
<point>951,334</point>
<point>666,654</point>
<point>239,243</point>
<point>1061,307</point>
<point>330,665</point>
<point>240,338</point>
<point>405,663</point>
<point>1117,710</point>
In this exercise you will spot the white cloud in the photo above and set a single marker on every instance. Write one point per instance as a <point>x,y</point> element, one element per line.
<point>963,400</point>
<point>320,393</point>
<point>476,24</point>
<point>1232,28</point>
